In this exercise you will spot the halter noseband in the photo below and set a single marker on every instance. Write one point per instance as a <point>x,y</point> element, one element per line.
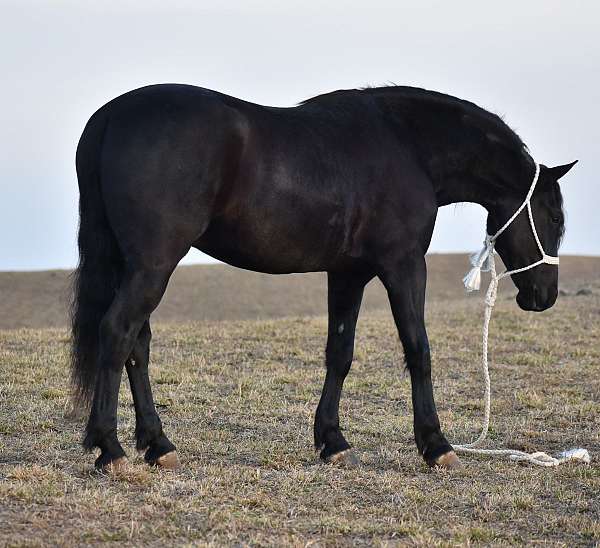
<point>483,259</point>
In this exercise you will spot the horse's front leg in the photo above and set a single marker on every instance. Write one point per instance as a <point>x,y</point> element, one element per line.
<point>405,282</point>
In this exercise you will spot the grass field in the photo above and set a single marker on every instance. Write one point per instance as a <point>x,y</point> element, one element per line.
<point>238,399</point>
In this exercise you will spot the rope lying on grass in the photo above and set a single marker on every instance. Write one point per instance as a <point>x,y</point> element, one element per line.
<point>484,261</point>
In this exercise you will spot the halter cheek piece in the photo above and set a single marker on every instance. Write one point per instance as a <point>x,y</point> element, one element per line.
<point>483,259</point>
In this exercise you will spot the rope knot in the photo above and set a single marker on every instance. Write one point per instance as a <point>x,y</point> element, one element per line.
<point>481,261</point>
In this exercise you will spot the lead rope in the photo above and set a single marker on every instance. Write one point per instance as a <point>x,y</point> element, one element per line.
<point>484,261</point>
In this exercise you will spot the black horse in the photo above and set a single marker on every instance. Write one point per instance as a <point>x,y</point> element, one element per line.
<point>348,182</point>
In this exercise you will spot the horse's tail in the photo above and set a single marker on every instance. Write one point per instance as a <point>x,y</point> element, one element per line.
<point>96,278</point>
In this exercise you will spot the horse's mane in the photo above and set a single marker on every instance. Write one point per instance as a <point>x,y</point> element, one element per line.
<point>420,94</point>
<point>492,124</point>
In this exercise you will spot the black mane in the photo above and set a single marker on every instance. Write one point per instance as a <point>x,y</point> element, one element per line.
<point>417,103</point>
<point>410,93</point>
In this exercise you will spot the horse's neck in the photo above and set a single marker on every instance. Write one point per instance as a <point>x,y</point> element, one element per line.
<point>459,188</point>
<point>455,179</point>
<point>450,137</point>
<point>456,182</point>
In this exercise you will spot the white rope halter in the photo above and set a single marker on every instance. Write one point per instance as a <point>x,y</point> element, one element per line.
<point>483,261</point>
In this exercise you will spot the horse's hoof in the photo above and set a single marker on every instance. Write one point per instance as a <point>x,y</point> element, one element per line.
<point>168,461</point>
<point>346,458</point>
<point>115,466</point>
<point>449,461</point>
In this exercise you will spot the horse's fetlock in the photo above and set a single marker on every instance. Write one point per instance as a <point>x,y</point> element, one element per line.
<point>148,433</point>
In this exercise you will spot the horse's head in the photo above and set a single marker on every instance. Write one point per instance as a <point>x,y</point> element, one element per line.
<point>517,246</point>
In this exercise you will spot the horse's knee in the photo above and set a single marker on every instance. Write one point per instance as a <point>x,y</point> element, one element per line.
<point>417,356</point>
<point>339,354</point>
<point>140,354</point>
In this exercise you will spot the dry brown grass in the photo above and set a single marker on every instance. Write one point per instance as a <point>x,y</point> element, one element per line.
<point>219,292</point>
<point>238,399</point>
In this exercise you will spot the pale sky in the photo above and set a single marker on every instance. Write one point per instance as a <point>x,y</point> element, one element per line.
<point>537,63</point>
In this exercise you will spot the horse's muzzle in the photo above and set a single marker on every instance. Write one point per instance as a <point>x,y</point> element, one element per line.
<point>537,299</point>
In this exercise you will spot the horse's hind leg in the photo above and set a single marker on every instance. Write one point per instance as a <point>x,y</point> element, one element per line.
<point>344,298</point>
<point>139,293</point>
<point>148,427</point>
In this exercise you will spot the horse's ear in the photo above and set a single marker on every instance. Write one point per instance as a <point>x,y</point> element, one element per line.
<point>555,173</point>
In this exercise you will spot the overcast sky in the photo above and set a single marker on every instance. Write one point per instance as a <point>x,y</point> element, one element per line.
<point>535,62</point>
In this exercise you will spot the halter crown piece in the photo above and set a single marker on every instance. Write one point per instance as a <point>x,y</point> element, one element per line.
<point>483,261</point>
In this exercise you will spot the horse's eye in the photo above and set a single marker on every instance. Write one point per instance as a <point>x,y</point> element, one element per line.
<point>556,220</point>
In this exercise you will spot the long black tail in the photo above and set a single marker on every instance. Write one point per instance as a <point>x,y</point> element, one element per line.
<point>97,276</point>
